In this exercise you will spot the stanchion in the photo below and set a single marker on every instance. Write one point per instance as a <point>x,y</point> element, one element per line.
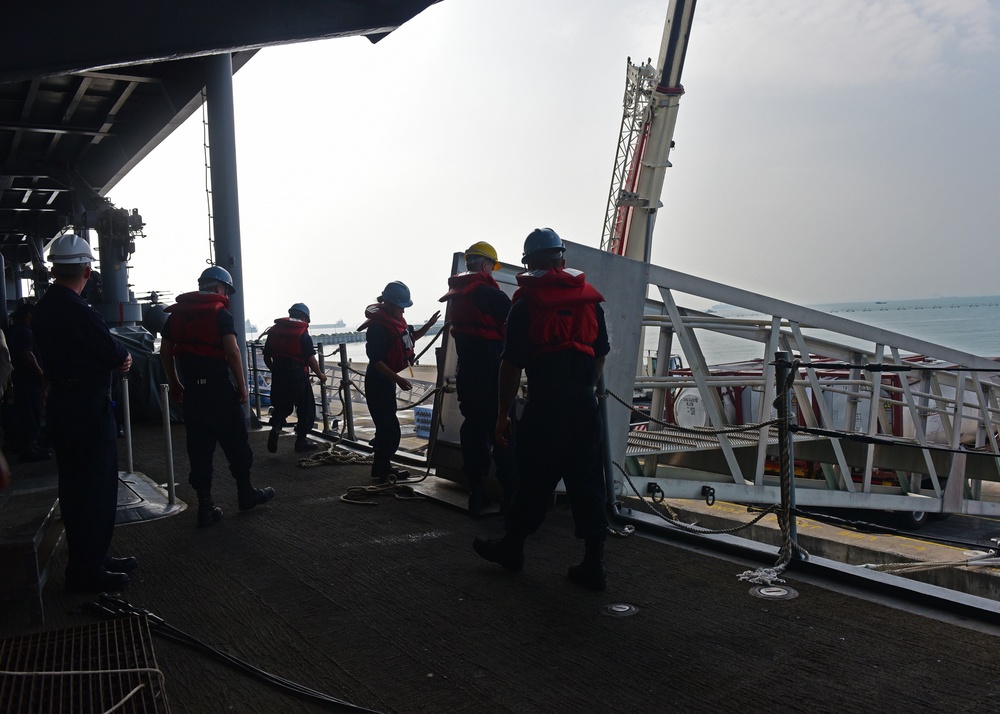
<point>786,449</point>
<point>127,415</point>
<point>345,377</point>
<point>324,401</point>
<point>165,414</point>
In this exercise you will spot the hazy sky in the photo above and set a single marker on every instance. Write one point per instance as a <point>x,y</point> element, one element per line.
<point>825,151</point>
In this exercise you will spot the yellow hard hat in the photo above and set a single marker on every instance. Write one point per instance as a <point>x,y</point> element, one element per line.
<point>485,250</point>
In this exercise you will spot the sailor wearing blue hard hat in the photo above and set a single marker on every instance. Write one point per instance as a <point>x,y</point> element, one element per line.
<point>289,353</point>
<point>556,334</point>
<point>204,365</point>
<point>389,344</point>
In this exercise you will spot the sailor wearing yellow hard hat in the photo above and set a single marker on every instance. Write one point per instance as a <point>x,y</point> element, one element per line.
<point>477,312</point>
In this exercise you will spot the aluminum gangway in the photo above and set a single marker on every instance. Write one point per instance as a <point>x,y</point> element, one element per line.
<point>890,422</point>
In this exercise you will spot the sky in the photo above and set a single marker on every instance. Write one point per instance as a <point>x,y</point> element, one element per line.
<point>825,152</point>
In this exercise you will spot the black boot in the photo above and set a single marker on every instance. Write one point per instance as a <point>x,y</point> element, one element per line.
<point>304,444</point>
<point>208,513</point>
<point>506,551</point>
<point>272,439</point>
<point>591,573</point>
<point>252,497</point>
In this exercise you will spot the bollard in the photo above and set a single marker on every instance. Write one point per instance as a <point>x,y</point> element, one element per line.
<point>786,450</point>
<point>345,377</point>
<point>165,413</point>
<point>127,415</point>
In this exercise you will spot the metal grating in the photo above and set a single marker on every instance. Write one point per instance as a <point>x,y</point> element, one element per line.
<point>643,443</point>
<point>106,666</point>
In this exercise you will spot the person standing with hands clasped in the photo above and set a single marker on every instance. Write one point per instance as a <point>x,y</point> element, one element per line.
<point>202,360</point>
<point>556,333</point>
<point>389,346</point>
<point>78,355</point>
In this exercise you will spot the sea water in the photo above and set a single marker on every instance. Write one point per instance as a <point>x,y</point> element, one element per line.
<point>967,324</point>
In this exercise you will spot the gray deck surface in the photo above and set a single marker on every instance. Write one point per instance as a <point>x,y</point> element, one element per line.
<point>387,606</point>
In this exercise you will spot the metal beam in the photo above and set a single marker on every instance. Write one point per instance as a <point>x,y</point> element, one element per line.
<point>99,35</point>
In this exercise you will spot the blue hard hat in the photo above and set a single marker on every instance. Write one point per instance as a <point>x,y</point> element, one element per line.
<point>299,307</point>
<point>540,240</point>
<point>215,274</point>
<point>396,293</point>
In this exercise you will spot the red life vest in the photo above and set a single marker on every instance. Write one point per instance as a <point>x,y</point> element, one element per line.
<point>284,339</point>
<point>466,317</point>
<point>400,352</point>
<point>193,326</point>
<point>562,312</point>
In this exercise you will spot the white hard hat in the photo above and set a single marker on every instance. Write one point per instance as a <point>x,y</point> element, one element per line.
<point>70,249</point>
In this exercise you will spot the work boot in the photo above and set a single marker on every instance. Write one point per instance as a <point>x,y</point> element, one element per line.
<point>253,497</point>
<point>503,551</point>
<point>479,501</point>
<point>272,439</point>
<point>208,513</point>
<point>304,444</point>
<point>121,565</point>
<point>591,573</point>
<point>395,475</point>
<point>96,582</point>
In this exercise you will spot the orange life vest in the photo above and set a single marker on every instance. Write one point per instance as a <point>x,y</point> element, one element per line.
<point>400,354</point>
<point>284,340</point>
<point>466,318</point>
<point>562,310</point>
<point>193,326</point>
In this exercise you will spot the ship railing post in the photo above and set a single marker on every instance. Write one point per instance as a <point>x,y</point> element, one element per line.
<point>127,416</point>
<point>167,437</point>
<point>345,376</point>
<point>255,378</point>
<point>786,449</point>
<point>323,400</point>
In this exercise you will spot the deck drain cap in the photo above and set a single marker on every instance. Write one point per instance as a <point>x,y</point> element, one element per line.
<point>773,592</point>
<point>619,609</point>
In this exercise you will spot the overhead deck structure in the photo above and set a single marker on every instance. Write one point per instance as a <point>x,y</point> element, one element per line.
<point>87,90</point>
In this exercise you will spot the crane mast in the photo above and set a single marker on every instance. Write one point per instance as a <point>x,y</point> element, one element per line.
<point>652,97</point>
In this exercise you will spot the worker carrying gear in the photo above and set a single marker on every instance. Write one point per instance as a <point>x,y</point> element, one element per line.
<point>541,240</point>
<point>484,250</point>
<point>396,293</point>
<point>299,311</point>
<point>216,275</point>
<point>69,249</point>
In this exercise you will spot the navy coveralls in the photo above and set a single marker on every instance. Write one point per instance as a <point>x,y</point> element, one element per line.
<point>560,434</point>
<point>27,388</point>
<point>290,389</point>
<point>78,354</point>
<point>212,413</point>
<point>478,368</point>
<point>380,394</point>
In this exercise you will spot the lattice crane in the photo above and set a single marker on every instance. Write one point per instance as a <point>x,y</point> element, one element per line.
<point>651,100</point>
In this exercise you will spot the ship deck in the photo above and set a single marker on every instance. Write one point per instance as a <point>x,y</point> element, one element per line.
<point>386,606</point>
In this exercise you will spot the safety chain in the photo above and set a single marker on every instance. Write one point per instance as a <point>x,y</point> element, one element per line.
<point>687,430</point>
<point>882,367</point>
